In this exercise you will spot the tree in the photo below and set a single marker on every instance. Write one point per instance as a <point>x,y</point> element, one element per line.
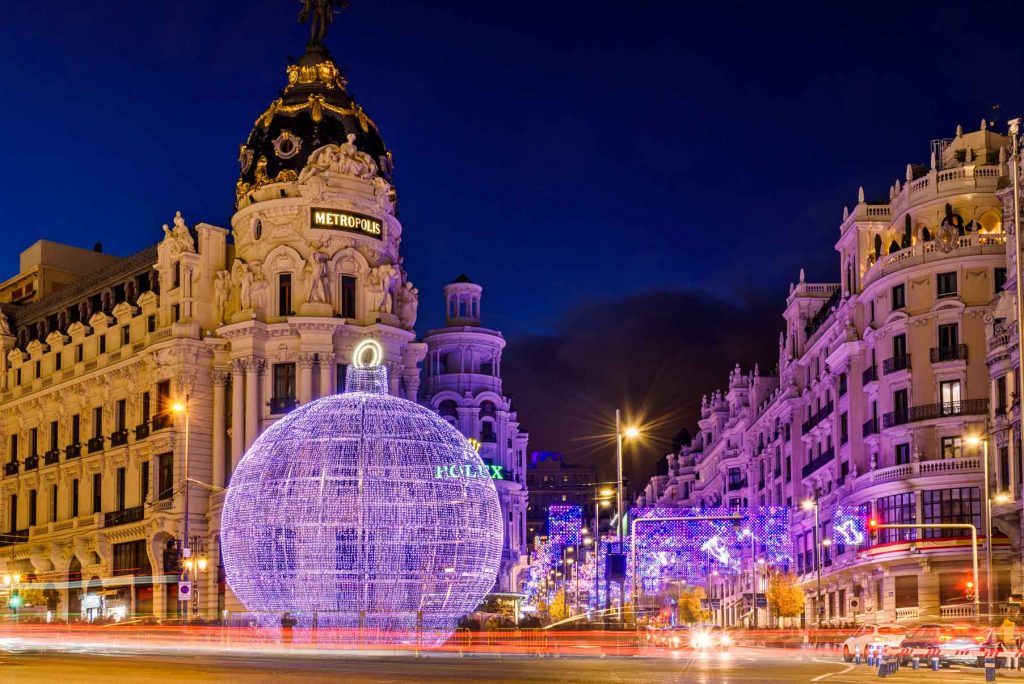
<point>689,609</point>
<point>785,598</point>
<point>557,609</point>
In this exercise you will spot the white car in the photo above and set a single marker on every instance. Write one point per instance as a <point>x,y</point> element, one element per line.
<point>873,635</point>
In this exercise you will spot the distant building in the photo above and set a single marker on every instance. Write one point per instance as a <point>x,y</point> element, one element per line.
<point>46,267</point>
<point>552,481</point>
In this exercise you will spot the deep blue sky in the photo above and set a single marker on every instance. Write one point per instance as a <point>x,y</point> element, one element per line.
<point>571,156</point>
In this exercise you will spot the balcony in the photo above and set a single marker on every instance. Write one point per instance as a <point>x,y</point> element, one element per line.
<point>968,407</point>
<point>73,450</point>
<point>870,428</point>
<point>15,537</point>
<point>119,438</point>
<point>895,364</point>
<point>489,438</point>
<point>957,352</point>
<point>818,461</point>
<point>51,457</point>
<point>142,430</point>
<point>161,421</point>
<point>943,466</point>
<point>279,405</point>
<point>128,515</point>
<point>869,375</point>
<point>95,444</point>
<point>31,462</point>
<point>820,415</point>
<point>11,468</point>
<point>736,485</point>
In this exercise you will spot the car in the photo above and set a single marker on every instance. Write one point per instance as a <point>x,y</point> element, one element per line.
<point>676,637</point>
<point>954,644</point>
<point>711,639</point>
<point>873,635</point>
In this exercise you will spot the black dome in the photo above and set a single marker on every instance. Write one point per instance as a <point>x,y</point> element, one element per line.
<point>313,110</point>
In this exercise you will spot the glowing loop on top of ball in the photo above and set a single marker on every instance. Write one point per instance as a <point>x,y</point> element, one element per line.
<point>376,354</point>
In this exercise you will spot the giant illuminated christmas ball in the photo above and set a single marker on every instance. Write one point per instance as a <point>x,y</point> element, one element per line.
<point>362,510</point>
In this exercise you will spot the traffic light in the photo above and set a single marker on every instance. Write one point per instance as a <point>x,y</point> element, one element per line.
<point>15,602</point>
<point>872,529</point>
<point>969,593</point>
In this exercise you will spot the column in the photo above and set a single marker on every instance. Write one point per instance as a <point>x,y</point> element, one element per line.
<point>253,368</point>
<point>219,427</point>
<point>327,365</point>
<point>237,413</point>
<point>305,388</point>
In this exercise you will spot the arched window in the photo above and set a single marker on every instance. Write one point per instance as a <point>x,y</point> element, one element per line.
<point>448,409</point>
<point>926,234</point>
<point>894,247</point>
<point>487,410</point>
<point>878,245</point>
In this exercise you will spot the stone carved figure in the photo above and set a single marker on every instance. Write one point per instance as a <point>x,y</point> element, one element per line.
<point>407,305</point>
<point>221,293</point>
<point>5,325</point>
<point>260,285</point>
<point>381,278</point>
<point>179,237</point>
<point>245,283</point>
<point>344,159</point>
<point>318,284</point>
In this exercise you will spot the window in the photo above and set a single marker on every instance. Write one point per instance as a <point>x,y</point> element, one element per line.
<point>76,429</point>
<point>175,312</point>
<point>163,396</point>
<point>97,422</point>
<point>103,344</point>
<point>144,482</point>
<point>949,395</point>
<point>176,275</point>
<point>97,492</point>
<point>32,503</point>
<point>33,442</point>
<point>961,505</point>
<point>57,359</point>
<point>900,406</point>
<point>952,447</point>
<point>899,346</point>
<point>844,428</point>
<point>999,278</point>
<point>74,498</point>
<point>121,415</point>
<point>284,381</point>
<point>120,488</point>
<point>126,335</point>
<point>898,509</point>
<point>902,453</point>
<point>348,296</point>
<point>165,476</point>
<point>1001,394</point>
<point>899,297</point>
<point>842,384</point>
<point>946,284</point>
<point>54,435</point>
<point>284,294</point>
<point>14,448</point>
<point>53,503</point>
<point>130,558</point>
<point>12,512</point>
<point>145,407</point>
<point>736,477</point>
<point>906,591</point>
<point>949,336</point>
<point>151,323</point>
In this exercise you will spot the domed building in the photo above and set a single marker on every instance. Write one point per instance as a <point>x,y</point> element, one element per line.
<point>234,326</point>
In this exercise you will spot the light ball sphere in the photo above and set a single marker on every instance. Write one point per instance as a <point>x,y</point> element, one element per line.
<point>362,510</point>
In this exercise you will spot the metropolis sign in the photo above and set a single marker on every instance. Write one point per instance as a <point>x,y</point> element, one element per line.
<point>350,221</point>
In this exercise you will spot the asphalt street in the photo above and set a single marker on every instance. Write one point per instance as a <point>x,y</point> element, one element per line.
<point>743,665</point>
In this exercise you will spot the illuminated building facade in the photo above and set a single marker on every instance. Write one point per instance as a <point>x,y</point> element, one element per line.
<point>244,322</point>
<point>882,377</point>
<point>462,383</point>
<point>554,482</point>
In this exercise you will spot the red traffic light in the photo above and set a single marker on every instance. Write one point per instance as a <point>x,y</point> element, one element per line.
<point>970,584</point>
<point>872,522</point>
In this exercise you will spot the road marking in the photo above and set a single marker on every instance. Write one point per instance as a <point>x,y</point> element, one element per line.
<point>829,674</point>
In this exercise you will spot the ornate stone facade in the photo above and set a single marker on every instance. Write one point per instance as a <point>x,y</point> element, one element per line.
<point>881,378</point>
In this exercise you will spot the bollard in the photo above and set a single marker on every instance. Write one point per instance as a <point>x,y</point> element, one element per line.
<point>871,656</point>
<point>990,669</point>
<point>883,669</point>
<point>915,663</point>
<point>856,657</point>
<point>935,663</point>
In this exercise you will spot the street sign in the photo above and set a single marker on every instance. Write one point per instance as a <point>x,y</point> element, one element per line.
<point>716,604</point>
<point>184,591</point>
<point>762,602</point>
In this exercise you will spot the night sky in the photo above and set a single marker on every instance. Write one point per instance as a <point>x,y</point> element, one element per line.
<point>634,183</point>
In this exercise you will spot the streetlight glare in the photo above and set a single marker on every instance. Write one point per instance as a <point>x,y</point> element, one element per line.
<point>807,504</point>
<point>1001,498</point>
<point>606,492</point>
<point>972,440</point>
<point>632,432</point>
<point>178,407</point>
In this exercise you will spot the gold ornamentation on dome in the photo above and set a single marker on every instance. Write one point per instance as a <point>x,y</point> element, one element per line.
<point>260,179</point>
<point>287,144</point>
<point>241,190</point>
<point>318,104</point>
<point>285,175</point>
<point>324,73</point>
<point>244,158</point>
<point>261,173</point>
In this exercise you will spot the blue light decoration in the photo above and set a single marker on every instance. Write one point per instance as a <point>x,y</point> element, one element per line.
<point>335,516</point>
<point>565,524</point>
<point>849,526</point>
<point>693,549</point>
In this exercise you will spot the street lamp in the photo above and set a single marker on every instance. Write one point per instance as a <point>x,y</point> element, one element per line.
<point>807,505</point>
<point>630,432</point>
<point>974,441</point>
<point>181,408</point>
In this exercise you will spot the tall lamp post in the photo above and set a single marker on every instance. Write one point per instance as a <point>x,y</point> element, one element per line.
<point>629,432</point>
<point>181,407</point>
<point>807,505</point>
<point>975,440</point>
<point>1015,145</point>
